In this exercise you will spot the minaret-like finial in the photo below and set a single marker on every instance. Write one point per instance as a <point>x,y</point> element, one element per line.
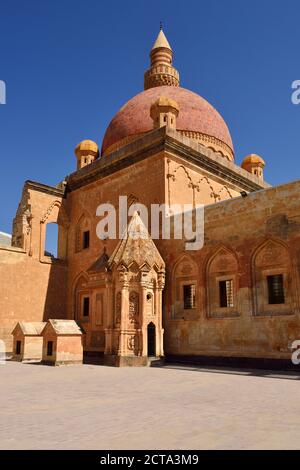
<point>160,26</point>
<point>161,71</point>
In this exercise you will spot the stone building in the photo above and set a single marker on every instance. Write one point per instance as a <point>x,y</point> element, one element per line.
<point>237,296</point>
<point>62,343</point>
<point>28,341</point>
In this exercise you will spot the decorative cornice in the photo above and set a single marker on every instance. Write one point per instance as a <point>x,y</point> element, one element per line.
<point>171,141</point>
<point>44,188</point>
<point>208,140</point>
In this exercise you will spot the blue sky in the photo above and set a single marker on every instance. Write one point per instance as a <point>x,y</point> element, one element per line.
<point>70,65</point>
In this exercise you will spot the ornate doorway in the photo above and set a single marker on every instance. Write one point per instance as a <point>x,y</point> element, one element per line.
<point>151,333</point>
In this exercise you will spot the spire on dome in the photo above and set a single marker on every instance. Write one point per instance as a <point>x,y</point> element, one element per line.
<point>161,71</point>
<point>161,41</point>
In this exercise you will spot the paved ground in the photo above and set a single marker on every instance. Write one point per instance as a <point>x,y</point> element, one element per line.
<point>94,407</point>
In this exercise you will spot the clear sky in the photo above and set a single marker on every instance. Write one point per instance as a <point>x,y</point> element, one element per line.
<point>69,66</point>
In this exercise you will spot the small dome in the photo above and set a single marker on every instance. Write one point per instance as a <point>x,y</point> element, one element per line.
<point>163,101</point>
<point>87,147</point>
<point>253,159</point>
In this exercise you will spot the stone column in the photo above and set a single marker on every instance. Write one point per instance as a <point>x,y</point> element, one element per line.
<point>160,331</point>
<point>143,318</point>
<point>107,314</point>
<point>122,350</point>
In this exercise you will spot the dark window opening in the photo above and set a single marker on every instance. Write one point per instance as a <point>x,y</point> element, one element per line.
<point>149,296</point>
<point>86,306</point>
<point>50,348</point>
<point>165,118</point>
<point>151,340</point>
<point>86,239</point>
<point>18,347</point>
<point>189,296</point>
<point>276,289</point>
<point>226,293</point>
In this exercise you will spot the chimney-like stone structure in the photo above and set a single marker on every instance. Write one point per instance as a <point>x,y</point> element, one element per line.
<point>86,152</point>
<point>254,164</point>
<point>164,112</point>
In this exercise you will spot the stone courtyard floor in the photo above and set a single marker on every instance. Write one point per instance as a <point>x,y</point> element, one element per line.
<point>174,407</point>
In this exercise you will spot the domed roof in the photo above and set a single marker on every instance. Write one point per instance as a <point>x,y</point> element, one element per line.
<point>195,115</point>
<point>253,158</point>
<point>85,147</point>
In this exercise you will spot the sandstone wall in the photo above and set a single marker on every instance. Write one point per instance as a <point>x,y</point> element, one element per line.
<point>32,285</point>
<point>29,291</point>
<point>245,240</point>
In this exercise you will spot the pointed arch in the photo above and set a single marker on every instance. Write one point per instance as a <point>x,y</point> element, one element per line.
<point>184,189</point>
<point>55,214</point>
<point>226,190</point>
<point>207,182</point>
<point>222,259</point>
<point>51,214</point>
<point>185,286</point>
<point>273,278</point>
<point>222,287</point>
<point>79,291</point>
<point>185,172</point>
<point>185,264</point>
<point>83,232</point>
<point>270,252</point>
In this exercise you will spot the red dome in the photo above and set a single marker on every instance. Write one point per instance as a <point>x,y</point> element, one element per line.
<point>195,114</point>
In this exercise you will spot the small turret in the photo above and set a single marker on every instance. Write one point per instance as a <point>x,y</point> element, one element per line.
<point>86,152</point>
<point>254,164</point>
<point>164,112</point>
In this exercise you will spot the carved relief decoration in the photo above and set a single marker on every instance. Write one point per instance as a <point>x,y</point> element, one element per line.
<point>223,261</point>
<point>271,254</point>
<point>118,308</point>
<point>133,307</point>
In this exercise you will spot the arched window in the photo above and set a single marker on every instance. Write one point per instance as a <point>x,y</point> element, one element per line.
<point>54,233</point>
<point>82,234</point>
<point>51,241</point>
<point>82,300</point>
<point>151,340</point>
<point>185,293</point>
<point>222,288</point>
<point>272,279</point>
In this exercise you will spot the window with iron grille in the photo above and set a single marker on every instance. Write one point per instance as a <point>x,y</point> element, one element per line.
<point>189,296</point>
<point>226,293</point>
<point>276,289</point>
